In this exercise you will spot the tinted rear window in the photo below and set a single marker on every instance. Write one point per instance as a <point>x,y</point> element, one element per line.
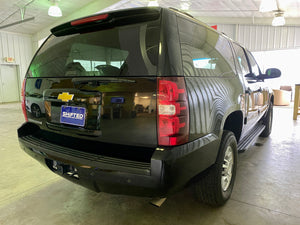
<point>130,50</point>
<point>204,52</point>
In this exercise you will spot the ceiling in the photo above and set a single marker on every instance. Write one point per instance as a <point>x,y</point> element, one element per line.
<point>213,11</point>
<point>221,8</point>
<point>37,9</point>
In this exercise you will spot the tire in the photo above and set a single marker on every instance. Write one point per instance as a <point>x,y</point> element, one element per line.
<point>215,186</point>
<point>35,110</point>
<point>268,121</point>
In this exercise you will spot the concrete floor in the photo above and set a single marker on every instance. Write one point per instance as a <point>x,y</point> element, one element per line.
<point>267,188</point>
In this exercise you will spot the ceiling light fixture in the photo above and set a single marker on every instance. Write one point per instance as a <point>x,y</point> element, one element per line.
<point>153,3</point>
<point>278,19</point>
<point>272,5</point>
<point>185,5</point>
<point>268,5</point>
<point>54,10</point>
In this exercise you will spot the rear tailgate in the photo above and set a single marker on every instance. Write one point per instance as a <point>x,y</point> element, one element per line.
<point>112,110</point>
<point>96,78</point>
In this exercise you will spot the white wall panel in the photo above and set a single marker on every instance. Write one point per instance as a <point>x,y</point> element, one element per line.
<point>227,29</point>
<point>297,37</point>
<point>19,47</point>
<point>291,38</point>
<point>262,38</point>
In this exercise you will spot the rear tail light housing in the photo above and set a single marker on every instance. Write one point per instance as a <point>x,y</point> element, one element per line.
<point>172,111</point>
<point>24,99</point>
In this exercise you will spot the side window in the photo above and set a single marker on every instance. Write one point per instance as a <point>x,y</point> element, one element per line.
<point>253,64</point>
<point>204,52</point>
<point>242,63</point>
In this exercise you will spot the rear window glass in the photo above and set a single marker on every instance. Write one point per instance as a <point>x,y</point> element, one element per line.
<point>130,50</point>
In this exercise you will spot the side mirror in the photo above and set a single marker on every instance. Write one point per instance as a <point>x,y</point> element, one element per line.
<point>270,73</point>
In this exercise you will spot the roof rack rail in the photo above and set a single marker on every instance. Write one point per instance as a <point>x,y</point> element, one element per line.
<point>177,10</point>
<point>224,34</point>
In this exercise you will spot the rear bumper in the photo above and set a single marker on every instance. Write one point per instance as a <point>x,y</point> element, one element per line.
<point>167,172</point>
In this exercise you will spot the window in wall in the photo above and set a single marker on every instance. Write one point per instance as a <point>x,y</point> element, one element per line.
<point>205,63</point>
<point>91,65</point>
<point>285,60</point>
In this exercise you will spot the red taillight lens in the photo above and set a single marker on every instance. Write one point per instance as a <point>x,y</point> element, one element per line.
<point>23,100</point>
<point>89,19</point>
<point>169,91</point>
<point>172,111</point>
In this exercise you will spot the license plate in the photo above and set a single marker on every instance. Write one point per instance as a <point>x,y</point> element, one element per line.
<point>72,115</point>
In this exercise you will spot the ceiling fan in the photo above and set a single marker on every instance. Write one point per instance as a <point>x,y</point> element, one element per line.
<point>272,6</point>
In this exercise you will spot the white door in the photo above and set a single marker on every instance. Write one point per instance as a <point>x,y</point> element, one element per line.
<point>9,85</point>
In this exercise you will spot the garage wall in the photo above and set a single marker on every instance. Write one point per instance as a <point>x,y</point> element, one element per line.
<point>263,38</point>
<point>19,47</point>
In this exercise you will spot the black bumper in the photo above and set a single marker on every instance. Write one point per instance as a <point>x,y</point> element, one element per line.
<point>167,171</point>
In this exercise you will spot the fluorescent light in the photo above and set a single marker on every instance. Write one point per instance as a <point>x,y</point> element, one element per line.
<point>55,11</point>
<point>185,5</point>
<point>268,6</point>
<point>153,3</point>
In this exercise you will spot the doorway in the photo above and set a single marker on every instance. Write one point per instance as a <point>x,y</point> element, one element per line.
<point>9,84</point>
<point>285,60</point>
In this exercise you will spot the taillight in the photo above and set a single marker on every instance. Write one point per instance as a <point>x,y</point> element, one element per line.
<point>172,111</point>
<point>23,99</point>
<point>89,19</point>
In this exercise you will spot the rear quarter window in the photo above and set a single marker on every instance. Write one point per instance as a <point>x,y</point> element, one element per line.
<point>204,52</point>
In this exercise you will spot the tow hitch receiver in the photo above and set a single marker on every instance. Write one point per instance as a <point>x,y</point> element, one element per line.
<point>62,169</point>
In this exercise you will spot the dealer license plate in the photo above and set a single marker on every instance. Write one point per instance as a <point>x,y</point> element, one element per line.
<point>72,115</point>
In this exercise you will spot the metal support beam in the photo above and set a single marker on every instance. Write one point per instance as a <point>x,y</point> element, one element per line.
<point>21,9</point>
<point>18,22</point>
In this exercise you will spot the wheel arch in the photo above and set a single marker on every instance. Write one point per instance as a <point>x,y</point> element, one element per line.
<point>34,104</point>
<point>234,123</point>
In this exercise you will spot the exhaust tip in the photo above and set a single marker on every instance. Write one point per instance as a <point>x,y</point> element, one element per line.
<point>157,202</point>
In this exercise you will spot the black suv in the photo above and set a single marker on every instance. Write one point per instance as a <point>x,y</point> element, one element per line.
<point>144,102</point>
